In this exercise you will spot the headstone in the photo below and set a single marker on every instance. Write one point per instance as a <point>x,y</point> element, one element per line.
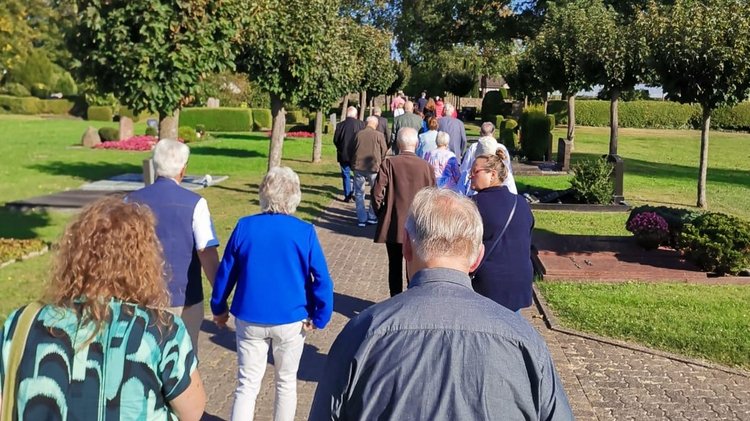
<point>149,174</point>
<point>617,177</point>
<point>333,120</point>
<point>213,103</point>
<point>168,128</point>
<point>563,154</point>
<point>90,137</point>
<point>126,127</point>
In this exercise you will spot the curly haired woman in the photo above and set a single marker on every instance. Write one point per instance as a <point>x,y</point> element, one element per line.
<point>99,346</point>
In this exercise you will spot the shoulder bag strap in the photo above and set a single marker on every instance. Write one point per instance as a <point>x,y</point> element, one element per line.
<point>497,240</point>
<point>17,347</point>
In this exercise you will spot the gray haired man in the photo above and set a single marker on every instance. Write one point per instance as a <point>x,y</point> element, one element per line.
<point>440,351</point>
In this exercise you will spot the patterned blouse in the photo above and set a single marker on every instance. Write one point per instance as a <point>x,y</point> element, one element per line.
<point>129,371</point>
<point>445,164</point>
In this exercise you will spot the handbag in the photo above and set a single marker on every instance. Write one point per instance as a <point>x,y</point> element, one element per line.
<point>497,240</point>
<point>17,346</point>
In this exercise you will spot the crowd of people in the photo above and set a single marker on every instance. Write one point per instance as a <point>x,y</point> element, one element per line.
<point>116,334</point>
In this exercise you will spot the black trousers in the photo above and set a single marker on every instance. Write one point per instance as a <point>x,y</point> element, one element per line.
<point>395,267</point>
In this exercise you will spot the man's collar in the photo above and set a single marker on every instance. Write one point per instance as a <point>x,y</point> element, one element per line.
<point>166,178</point>
<point>425,276</point>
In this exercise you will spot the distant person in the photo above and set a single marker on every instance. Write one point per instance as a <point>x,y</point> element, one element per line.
<point>486,145</point>
<point>186,232</point>
<point>369,151</point>
<point>455,129</point>
<point>382,124</point>
<point>439,107</point>
<point>505,275</point>
<point>408,119</point>
<point>400,178</point>
<point>343,139</point>
<point>429,110</point>
<point>397,102</point>
<point>283,290</point>
<point>100,344</point>
<point>445,163</point>
<point>427,139</point>
<point>440,351</point>
<point>421,102</point>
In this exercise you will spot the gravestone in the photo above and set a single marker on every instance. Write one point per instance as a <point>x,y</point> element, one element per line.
<point>149,174</point>
<point>126,128</point>
<point>168,127</point>
<point>333,120</point>
<point>90,138</point>
<point>213,103</point>
<point>617,177</point>
<point>563,154</point>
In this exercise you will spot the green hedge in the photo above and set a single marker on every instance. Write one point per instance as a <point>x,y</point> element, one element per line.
<point>222,119</point>
<point>57,106</point>
<point>734,118</point>
<point>99,113</point>
<point>508,134</point>
<point>22,105</point>
<point>262,118</point>
<point>493,104</point>
<point>296,117</point>
<point>537,133</point>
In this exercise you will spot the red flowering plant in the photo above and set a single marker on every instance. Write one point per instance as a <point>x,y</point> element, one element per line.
<point>135,143</point>
<point>650,229</point>
<point>294,134</point>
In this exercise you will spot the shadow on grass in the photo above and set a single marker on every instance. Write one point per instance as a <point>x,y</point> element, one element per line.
<point>241,136</point>
<point>21,225</point>
<point>90,171</point>
<point>227,152</point>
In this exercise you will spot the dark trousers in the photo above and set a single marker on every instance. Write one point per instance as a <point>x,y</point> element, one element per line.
<point>395,267</point>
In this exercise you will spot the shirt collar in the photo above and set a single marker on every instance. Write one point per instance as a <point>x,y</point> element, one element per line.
<point>166,178</point>
<point>425,276</point>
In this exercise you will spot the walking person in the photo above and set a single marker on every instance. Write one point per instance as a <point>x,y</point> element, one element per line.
<point>369,151</point>
<point>283,290</point>
<point>343,139</point>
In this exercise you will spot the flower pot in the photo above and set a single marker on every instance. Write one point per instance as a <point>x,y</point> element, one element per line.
<point>649,241</point>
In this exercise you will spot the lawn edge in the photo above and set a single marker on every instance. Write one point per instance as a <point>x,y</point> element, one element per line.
<point>550,320</point>
<point>28,256</point>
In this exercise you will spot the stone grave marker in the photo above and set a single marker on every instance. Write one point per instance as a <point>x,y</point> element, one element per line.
<point>126,127</point>
<point>333,121</point>
<point>563,154</point>
<point>149,173</point>
<point>90,137</point>
<point>213,103</point>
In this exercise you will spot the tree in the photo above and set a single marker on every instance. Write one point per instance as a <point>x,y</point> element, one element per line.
<point>460,83</point>
<point>152,53</point>
<point>373,55</point>
<point>700,50</point>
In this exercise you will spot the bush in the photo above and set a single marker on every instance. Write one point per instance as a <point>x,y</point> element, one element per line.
<point>26,105</point>
<point>57,106</point>
<point>218,119</point>
<point>262,119</point>
<point>676,219</point>
<point>109,134</point>
<point>717,243</point>
<point>591,182</point>
<point>99,113</point>
<point>35,69</point>
<point>732,118</point>
<point>296,117</point>
<point>232,90</point>
<point>200,129</point>
<point>40,90</point>
<point>65,84</point>
<point>15,89</point>
<point>493,103</point>
<point>14,249</point>
<point>536,134</point>
<point>508,136</point>
<point>187,134</point>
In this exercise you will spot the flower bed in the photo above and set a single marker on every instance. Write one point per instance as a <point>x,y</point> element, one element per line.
<point>12,249</point>
<point>135,143</point>
<point>301,134</point>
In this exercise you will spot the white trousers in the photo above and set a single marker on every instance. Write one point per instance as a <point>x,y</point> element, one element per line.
<point>287,342</point>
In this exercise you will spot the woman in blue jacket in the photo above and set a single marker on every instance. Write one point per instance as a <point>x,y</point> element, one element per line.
<point>283,290</point>
<point>505,275</point>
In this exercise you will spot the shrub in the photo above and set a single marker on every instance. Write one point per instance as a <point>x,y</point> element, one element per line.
<point>187,134</point>
<point>262,119</point>
<point>200,129</point>
<point>127,112</point>
<point>296,117</point>
<point>14,249</point>
<point>35,69</point>
<point>25,105</point>
<point>591,182</point>
<point>509,134</point>
<point>65,84</point>
<point>15,89</point>
<point>99,113</point>
<point>493,103</point>
<point>717,243</point>
<point>536,135</point>
<point>232,90</point>
<point>649,228</point>
<point>676,219</point>
<point>152,131</point>
<point>218,119</point>
<point>109,134</point>
<point>56,106</point>
<point>40,90</point>
<point>732,118</point>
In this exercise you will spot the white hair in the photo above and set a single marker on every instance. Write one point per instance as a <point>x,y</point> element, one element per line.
<point>448,110</point>
<point>280,191</point>
<point>377,111</point>
<point>372,121</point>
<point>443,223</point>
<point>352,112</point>
<point>170,157</point>
<point>409,106</point>
<point>443,139</point>
<point>487,129</point>
<point>407,139</point>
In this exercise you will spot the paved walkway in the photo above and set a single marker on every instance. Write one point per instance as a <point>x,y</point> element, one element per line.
<point>603,381</point>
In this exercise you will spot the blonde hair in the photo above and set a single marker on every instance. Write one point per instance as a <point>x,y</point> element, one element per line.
<point>495,163</point>
<point>109,251</point>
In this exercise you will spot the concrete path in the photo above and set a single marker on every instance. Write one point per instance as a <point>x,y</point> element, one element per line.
<point>603,381</point>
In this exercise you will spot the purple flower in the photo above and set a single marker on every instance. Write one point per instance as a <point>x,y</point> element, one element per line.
<point>647,223</point>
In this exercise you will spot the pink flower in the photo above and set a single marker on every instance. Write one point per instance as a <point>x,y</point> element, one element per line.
<point>135,143</point>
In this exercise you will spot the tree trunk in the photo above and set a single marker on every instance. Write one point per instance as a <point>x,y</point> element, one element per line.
<point>614,120</point>
<point>571,119</point>
<point>168,124</point>
<point>545,102</point>
<point>362,104</point>
<point>277,133</point>
<point>704,158</point>
<point>525,101</point>
<point>318,141</point>
<point>344,106</point>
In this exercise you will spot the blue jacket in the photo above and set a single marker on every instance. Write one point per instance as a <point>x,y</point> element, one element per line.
<point>278,267</point>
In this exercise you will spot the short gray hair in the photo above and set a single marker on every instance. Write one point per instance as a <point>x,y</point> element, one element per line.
<point>352,112</point>
<point>409,106</point>
<point>280,191</point>
<point>170,157</point>
<point>487,129</point>
<point>443,223</point>
<point>377,111</point>
<point>443,139</point>
<point>407,139</point>
<point>372,121</point>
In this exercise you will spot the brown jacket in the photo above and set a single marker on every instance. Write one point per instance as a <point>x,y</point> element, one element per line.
<point>399,179</point>
<point>369,150</point>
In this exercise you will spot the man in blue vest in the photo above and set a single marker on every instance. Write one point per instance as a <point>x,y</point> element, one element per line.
<point>187,235</point>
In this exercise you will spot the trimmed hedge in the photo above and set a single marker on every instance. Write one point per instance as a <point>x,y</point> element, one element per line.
<point>109,134</point>
<point>493,103</point>
<point>187,134</point>
<point>99,113</point>
<point>296,117</point>
<point>57,106</point>
<point>717,243</point>
<point>222,119</point>
<point>262,119</point>
<point>508,134</point>
<point>21,105</point>
<point>537,134</point>
<point>734,118</point>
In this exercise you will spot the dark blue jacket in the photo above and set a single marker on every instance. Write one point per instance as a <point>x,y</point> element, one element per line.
<point>507,273</point>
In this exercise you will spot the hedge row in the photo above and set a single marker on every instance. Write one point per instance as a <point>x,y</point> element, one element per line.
<point>32,105</point>
<point>223,119</point>
<point>99,113</point>
<point>262,119</point>
<point>652,115</point>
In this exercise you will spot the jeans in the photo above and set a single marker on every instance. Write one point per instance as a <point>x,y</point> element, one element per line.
<point>346,177</point>
<point>360,177</point>
<point>287,342</point>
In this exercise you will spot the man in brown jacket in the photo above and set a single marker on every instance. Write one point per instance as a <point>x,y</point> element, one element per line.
<point>399,179</point>
<point>369,151</point>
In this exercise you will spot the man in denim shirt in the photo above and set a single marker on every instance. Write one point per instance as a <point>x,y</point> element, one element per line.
<point>440,351</point>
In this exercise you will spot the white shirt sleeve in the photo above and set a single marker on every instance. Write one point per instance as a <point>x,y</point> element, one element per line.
<point>203,228</point>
